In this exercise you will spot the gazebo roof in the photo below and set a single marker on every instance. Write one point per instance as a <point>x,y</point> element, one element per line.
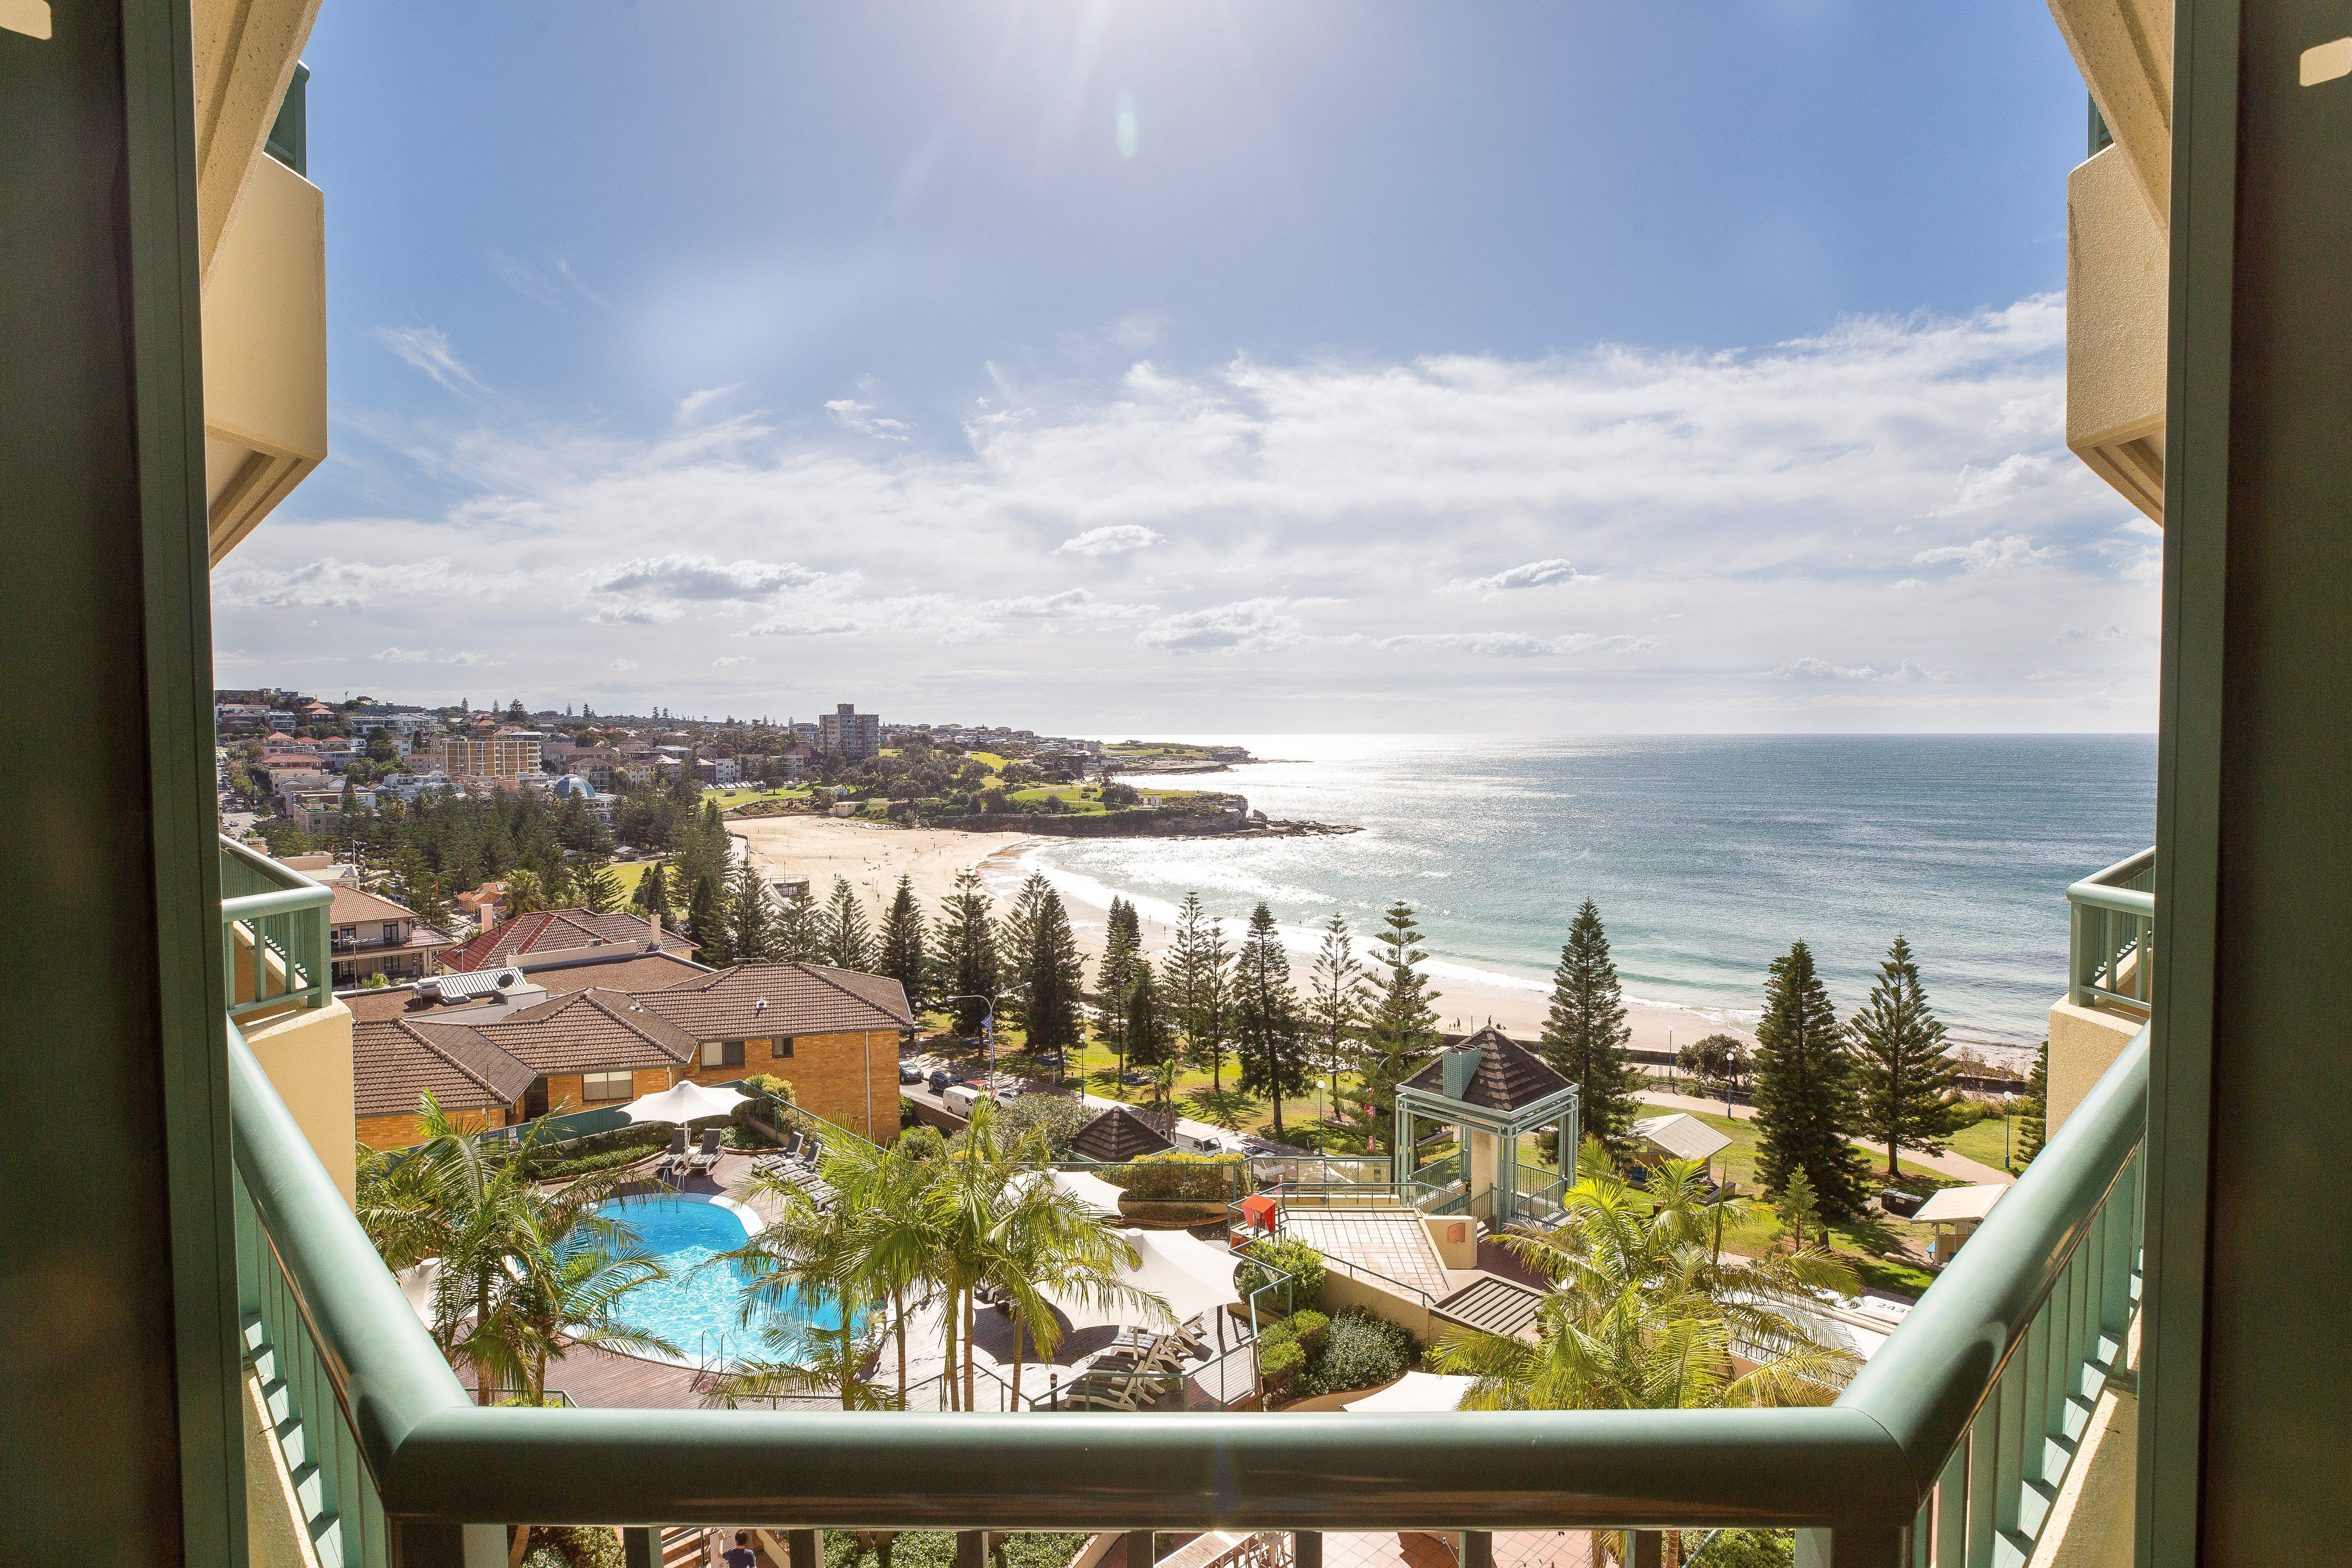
<point>1508,1077</point>
<point>1118,1136</point>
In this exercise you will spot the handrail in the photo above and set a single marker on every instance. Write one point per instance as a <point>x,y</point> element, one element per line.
<point>284,920</point>
<point>2111,939</point>
<point>1867,1465</point>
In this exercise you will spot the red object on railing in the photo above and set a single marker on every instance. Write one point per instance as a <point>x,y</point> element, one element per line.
<point>1262,1210</point>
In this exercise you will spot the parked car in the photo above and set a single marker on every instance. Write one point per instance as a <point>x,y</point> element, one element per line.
<point>1008,1094</point>
<point>1134,1077</point>
<point>938,1079</point>
<point>909,1073</point>
<point>1047,1059</point>
<point>959,1097</point>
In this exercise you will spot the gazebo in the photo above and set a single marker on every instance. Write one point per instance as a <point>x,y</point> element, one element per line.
<point>1118,1136</point>
<point>1490,1089</point>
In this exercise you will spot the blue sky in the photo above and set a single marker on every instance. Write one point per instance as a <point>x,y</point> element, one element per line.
<point>1295,367</point>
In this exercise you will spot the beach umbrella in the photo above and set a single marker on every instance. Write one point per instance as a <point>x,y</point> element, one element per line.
<point>687,1102</point>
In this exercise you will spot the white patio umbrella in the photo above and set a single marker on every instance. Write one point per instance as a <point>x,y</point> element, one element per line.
<point>1415,1391</point>
<point>686,1103</point>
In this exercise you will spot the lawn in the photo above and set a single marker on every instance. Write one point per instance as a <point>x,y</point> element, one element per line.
<point>1983,1142</point>
<point>728,799</point>
<point>630,872</point>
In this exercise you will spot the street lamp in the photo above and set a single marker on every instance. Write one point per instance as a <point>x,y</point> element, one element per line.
<point>988,1026</point>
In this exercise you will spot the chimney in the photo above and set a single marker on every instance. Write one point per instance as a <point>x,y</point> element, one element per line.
<point>653,919</point>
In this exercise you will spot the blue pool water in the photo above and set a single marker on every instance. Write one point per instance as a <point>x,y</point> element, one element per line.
<point>698,1309</point>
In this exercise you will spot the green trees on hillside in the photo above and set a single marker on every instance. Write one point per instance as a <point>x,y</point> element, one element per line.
<point>1199,971</point>
<point>1334,999</point>
<point>1050,990</point>
<point>1585,1036</point>
<point>968,957</point>
<point>848,943</point>
<point>1805,1100</point>
<point>1122,952</point>
<point>903,958</point>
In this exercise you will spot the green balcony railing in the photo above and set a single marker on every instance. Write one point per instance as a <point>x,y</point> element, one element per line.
<point>274,932</point>
<point>2111,946</point>
<point>1946,1449</point>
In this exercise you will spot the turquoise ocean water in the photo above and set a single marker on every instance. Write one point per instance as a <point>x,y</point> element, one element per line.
<point>1706,854</point>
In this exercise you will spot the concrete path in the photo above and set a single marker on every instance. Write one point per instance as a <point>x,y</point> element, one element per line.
<point>1957,1166</point>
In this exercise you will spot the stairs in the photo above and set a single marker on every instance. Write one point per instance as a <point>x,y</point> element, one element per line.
<point>315,1514</point>
<point>685,1547</point>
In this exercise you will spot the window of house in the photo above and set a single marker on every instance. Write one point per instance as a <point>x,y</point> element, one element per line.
<point>722,1053</point>
<point>780,1047</point>
<point>391,933</point>
<point>596,1086</point>
<point>346,935</point>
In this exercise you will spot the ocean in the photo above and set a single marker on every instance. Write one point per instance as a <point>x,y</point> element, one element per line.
<point>1707,855</point>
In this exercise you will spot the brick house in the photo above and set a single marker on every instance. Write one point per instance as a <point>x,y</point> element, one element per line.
<point>558,936</point>
<point>603,1031</point>
<point>369,934</point>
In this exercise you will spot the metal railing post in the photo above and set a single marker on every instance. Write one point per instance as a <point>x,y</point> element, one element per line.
<point>802,1546</point>
<point>640,1545</point>
<point>1139,1549</point>
<point>1305,1549</point>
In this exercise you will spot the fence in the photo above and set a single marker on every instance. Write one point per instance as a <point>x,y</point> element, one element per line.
<point>277,917</point>
<point>2111,945</point>
<point>1948,1446</point>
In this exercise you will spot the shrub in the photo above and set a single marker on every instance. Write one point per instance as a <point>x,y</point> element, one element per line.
<point>1296,1259</point>
<point>923,1143</point>
<point>574,1546</point>
<point>1179,1177</point>
<point>1309,1329</point>
<point>1057,1118</point>
<point>1359,1350</point>
<point>1752,1549</point>
<point>1280,1361</point>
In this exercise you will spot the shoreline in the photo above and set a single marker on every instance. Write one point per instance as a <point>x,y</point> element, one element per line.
<point>1467,994</point>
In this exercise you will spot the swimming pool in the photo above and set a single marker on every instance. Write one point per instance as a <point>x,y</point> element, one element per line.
<point>697,1310</point>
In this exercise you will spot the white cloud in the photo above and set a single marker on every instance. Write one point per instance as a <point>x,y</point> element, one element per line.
<point>428,348</point>
<point>1909,670</point>
<point>1753,496</point>
<point>2084,633</point>
<point>1070,604</point>
<point>1112,540</point>
<point>1909,582</point>
<point>402,656</point>
<point>694,403</point>
<point>1247,626</point>
<point>330,583</point>
<point>861,417</point>
<point>1519,645</point>
<point>1543,573</point>
<point>1981,490</point>
<point>623,664</point>
<point>466,656</point>
<point>2003,554</point>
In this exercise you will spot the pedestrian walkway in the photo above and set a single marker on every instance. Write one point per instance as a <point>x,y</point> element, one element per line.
<point>1959,1167</point>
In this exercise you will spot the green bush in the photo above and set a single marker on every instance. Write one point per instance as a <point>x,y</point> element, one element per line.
<point>573,1546</point>
<point>923,1143</point>
<point>1296,1259</point>
<point>1181,1178</point>
<point>1309,1329</point>
<point>937,1549</point>
<point>1280,1361</point>
<point>1359,1350</point>
<point>1749,1548</point>
<point>1056,1118</point>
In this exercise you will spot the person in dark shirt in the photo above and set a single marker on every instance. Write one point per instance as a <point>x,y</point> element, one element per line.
<point>740,1554</point>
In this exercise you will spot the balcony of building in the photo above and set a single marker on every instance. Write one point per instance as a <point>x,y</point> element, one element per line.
<point>1993,1426</point>
<point>2111,967</point>
<point>275,951</point>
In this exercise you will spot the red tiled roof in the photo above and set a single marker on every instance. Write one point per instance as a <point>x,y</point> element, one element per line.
<point>555,930</point>
<point>394,1063</point>
<point>798,999</point>
<point>633,974</point>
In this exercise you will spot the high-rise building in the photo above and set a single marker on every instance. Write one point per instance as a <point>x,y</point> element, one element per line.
<point>847,733</point>
<point>507,756</point>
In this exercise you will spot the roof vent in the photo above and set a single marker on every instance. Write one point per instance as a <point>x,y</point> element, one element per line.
<point>760,1005</point>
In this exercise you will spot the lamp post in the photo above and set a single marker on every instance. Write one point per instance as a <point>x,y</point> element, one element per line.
<point>988,1026</point>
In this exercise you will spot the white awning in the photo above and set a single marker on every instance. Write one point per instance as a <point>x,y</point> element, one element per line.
<point>1193,1277</point>
<point>1681,1136</point>
<point>1960,1203</point>
<point>686,1103</point>
<point>1098,1196</point>
<point>1415,1391</point>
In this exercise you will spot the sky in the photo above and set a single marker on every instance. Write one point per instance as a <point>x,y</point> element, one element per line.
<point>1112,366</point>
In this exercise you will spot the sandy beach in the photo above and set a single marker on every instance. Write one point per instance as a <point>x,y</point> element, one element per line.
<point>873,857</point>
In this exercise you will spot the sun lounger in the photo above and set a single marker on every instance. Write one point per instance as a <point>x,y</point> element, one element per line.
<point>675,1160</point>
<point>1130,1392</point>
<point>705,1159</point>
<point>809,1156</point>
<point>792,1147</point>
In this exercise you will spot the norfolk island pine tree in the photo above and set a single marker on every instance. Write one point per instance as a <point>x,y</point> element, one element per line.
<point>1903,1080</point>
<point>1400,1027</point>
<point>1276,1053</point>
<point>1585,1036</point>
<point>1805,1104</point>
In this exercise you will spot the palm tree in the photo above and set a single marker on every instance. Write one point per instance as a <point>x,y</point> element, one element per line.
<point>1047,1244</point>
<point>508,1293</point>
<point>1642,1317</point>
<point>894,1240</point>
<point>806,1358</point>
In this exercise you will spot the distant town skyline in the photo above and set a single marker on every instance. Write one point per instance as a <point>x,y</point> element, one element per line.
<point>1363,368</point>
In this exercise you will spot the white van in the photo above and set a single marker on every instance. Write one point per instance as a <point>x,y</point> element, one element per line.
<point>959,1097</point>
<point>1200,1138</point>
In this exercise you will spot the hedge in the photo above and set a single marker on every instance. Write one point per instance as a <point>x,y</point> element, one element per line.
<point>1301,1262</point>
<point>1359,1350</point>
<point>1176,1177</point>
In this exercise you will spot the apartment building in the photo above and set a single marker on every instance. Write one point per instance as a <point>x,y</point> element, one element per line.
<point>511,754</point>
<point>847,733</point>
